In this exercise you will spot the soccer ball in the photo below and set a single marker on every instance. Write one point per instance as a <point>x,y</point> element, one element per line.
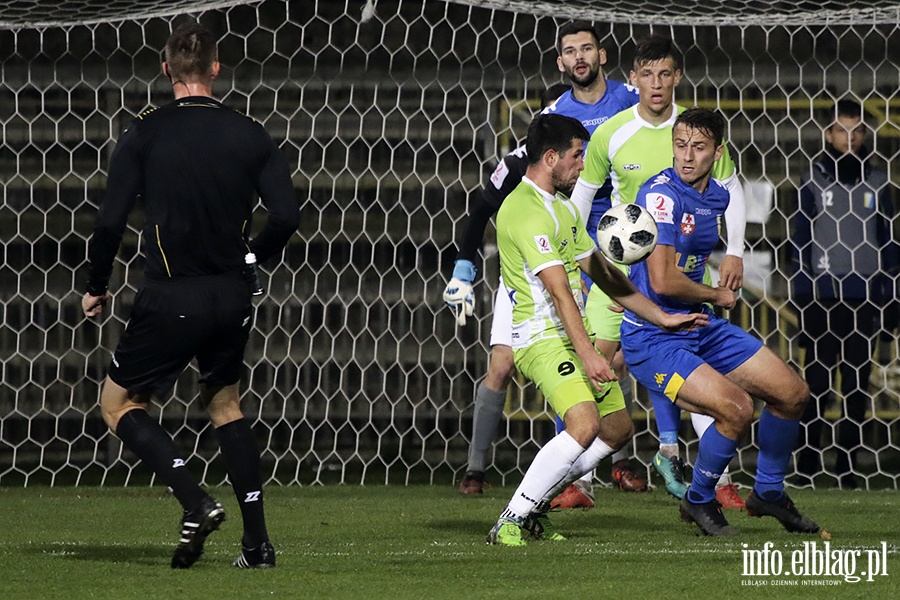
<point>626,234</point>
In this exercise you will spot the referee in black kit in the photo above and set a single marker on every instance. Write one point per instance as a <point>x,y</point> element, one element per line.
<point>199,167</point>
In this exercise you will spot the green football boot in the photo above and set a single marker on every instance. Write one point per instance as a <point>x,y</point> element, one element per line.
<point>506,532</point>
<point>672,471</point>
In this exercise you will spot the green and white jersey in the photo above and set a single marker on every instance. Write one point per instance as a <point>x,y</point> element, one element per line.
<point>536,230</point>
<point>630,151</point>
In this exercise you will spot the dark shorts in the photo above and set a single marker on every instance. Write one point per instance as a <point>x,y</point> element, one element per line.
<point>173,322</point>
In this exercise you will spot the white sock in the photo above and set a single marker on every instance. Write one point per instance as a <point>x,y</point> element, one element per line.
<point>701,423</point>
<point>725,479</point>
<point>586,463</point>
<point>549,467</point>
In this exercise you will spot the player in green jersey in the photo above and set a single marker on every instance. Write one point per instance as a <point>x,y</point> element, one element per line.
<point>543,245</point>
<point>629,148</point>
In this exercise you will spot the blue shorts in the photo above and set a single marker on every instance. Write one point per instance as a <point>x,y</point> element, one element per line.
<point>662,361</point>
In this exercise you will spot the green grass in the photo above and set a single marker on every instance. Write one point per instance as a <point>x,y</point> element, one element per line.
<point>413,542</point>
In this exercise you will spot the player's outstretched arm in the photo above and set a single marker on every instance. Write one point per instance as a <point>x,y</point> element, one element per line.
<point>557,284</point>
<point>618,287</point>
<point>459,294</point>
<point>583,198</point>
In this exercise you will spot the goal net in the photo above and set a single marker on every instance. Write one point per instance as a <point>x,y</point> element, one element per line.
<point>390,113</point>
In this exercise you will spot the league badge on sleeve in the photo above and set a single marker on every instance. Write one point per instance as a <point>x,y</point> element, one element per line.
<point>499,174</point>
<point>543,244</point>
<point>661,207</point>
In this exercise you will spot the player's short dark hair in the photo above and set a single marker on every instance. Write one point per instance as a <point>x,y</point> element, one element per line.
<point>573,27</point>
<point>190,52</point>
<point>552,93</point>
<point>709,122</point>
<point>552,132</point>
<point>653,48</point>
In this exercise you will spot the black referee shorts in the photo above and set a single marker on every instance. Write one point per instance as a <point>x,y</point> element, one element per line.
<point>173,322</point>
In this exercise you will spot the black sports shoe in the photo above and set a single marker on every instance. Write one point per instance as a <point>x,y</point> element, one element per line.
<point>261,557</point>
<point>195,528</point>
<point>708,517</point>
<point>783,510</point>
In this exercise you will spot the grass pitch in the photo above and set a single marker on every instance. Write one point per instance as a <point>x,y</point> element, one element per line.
<point>420,542</point>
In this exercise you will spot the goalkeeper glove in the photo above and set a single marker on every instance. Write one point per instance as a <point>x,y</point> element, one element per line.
<point>458,294</point>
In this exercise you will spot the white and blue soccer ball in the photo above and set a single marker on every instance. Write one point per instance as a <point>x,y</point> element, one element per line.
<point>626,234</point>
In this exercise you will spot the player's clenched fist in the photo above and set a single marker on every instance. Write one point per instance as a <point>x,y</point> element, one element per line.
<point>93,305</point>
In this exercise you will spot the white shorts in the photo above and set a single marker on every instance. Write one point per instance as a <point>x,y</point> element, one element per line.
<point>501,327</point>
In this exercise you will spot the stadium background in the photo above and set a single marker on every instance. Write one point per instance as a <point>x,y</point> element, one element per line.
<point>356,372</point>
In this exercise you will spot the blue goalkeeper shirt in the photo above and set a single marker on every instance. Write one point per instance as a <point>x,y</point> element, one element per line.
<point>617,98</point>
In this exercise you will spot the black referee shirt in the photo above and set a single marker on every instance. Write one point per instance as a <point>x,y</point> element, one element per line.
<point>199,168</point>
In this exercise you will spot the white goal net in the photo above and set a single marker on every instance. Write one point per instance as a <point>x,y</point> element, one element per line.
<point>390,113</point>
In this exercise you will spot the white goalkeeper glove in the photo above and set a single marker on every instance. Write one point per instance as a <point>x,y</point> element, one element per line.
<point>458,294</point>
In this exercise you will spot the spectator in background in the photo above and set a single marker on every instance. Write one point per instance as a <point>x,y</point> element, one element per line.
<point>845,260</point>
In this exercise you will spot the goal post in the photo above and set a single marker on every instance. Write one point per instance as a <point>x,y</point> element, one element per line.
<point>390,112</point>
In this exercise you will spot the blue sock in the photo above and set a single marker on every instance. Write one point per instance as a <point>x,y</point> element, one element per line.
<point>777,439</point>
<point>714,454</point>
<point>668,418</point>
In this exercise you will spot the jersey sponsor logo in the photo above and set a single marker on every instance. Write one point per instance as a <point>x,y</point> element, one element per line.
<point>688,224</point>
<point>565,368</point>
<point>661,207</point>
<point>631,167</point>
<point>660,378</point>
<point>499,174</point>
<point>543,244</point>
<point>704,211</point>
